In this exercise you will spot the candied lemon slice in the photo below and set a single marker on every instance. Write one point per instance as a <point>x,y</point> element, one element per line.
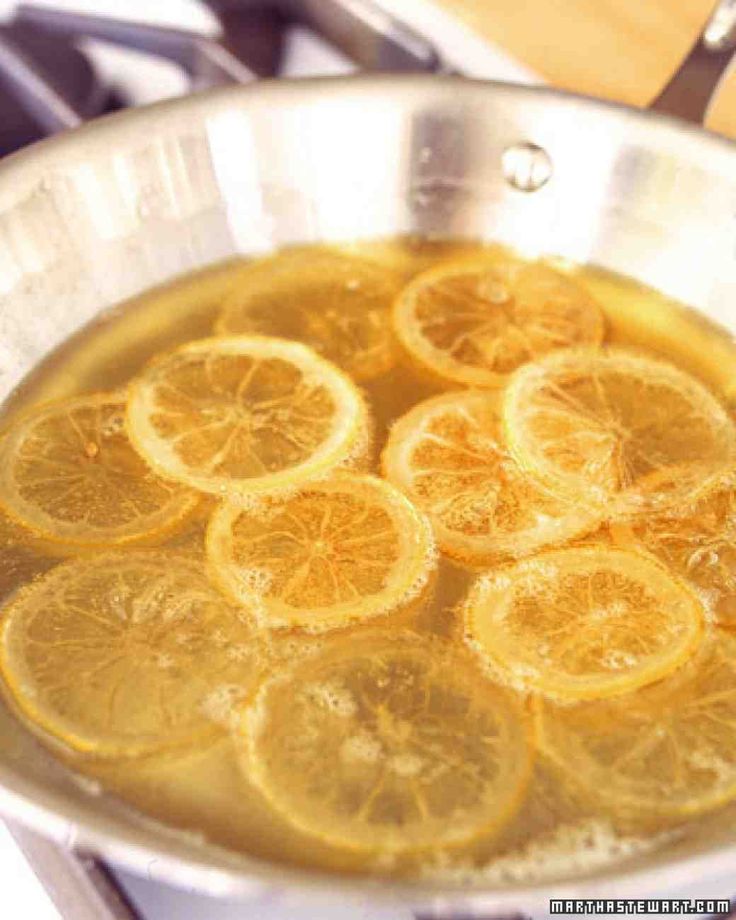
<point>583,623</point>
<point>69,473</point>
<point>447,455</point>
<point>246,415</point>
<point>666,750</point>
<point>474,321</point>
<point>607,429</point>
<point>119,654</point>
<point>337,304</point>
<point>388,744</point>
<point>698,541</point>
<point>339,551</point>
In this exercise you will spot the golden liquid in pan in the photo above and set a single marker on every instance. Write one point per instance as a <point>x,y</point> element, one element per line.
<point>518,766</point>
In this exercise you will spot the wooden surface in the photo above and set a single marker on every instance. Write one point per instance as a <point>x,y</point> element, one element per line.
<point>616,49</point>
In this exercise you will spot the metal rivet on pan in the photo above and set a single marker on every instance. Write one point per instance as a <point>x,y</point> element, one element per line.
<point>526,166</point>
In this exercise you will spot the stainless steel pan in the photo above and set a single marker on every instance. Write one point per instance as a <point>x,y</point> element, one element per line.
<point>104,212</point>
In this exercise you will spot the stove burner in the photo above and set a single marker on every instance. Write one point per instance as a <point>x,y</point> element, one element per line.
<point>29,49</point>
<point>48,85</point>
<point>257,38</point>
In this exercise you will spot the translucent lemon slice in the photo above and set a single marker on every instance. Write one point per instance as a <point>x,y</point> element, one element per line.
<point>666,750</point>
<point>339,551</point>
<point>246,415</point>
<point>120,654</point>
<point>335,303</point>
<point>474,321</point>
<point>69,473</point>
<point>583,623</point>
<point>698,541</point>
<point>388,745</point>
<point>447,455</point>
<point>595,427</point>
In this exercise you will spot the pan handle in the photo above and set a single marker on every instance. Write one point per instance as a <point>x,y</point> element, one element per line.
<point>694,85</point>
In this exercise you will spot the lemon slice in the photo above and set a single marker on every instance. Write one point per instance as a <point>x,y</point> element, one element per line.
<point>607,429</point>
<point>388,745</point>
<point>119,654</point>
<point>246,415</point>
<point>446,454</point>
<point>697,541</point>
<point>666,750</point>
<point>583,623</point>
<point>339,551</point>
<point>474,321</point>
<point>337,304</point>
<point>69,473</point>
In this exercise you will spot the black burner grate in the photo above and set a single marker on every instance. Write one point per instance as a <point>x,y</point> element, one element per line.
<point>47,84</point>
